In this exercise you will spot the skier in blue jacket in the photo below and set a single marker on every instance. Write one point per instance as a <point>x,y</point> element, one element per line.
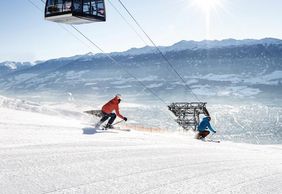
<point>204,128</point>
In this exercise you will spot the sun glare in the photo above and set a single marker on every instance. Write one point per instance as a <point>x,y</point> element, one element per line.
<point>207,5</point>
<point>209,8</point>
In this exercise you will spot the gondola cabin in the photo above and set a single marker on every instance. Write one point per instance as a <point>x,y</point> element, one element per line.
<point>75,11</point>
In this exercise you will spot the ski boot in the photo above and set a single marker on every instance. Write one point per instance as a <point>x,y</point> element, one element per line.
<point>202,138</point>
<point>109,126</point>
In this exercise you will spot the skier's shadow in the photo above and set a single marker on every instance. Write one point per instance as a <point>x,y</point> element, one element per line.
<point>92,131</point>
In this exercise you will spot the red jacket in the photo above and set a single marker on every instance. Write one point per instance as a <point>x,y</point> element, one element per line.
<point>112,105</point>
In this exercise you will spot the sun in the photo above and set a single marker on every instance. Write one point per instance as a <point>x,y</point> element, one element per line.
<point>207,5</point>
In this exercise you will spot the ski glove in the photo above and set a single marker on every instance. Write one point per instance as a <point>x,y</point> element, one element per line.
<point>125,119</point>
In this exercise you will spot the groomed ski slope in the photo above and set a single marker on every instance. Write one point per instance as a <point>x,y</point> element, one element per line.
<point>50,154</point>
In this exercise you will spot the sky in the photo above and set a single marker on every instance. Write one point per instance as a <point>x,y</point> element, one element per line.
<point>26,36</point>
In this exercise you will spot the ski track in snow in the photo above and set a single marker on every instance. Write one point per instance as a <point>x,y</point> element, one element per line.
<point>48,154</point>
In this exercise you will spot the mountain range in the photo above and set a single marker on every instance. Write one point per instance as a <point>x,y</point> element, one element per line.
<point>214,70</point>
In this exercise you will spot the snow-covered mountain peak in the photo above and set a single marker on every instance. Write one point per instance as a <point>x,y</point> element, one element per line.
<point>204,44</point>
<point>12,65</point>
<point>194,45</point>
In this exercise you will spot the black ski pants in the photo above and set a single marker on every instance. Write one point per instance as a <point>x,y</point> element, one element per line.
<point>112,117</point>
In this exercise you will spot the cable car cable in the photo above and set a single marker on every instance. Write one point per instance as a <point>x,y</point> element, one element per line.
<point>73,34</point>
<point>161,53</point>
<point>142,39</point>
<point>131,75</point>
<point>58,23</point>
<point>35,5</point>
<point>165,58</point>
<point>112,59</point>
<point>116,62</point>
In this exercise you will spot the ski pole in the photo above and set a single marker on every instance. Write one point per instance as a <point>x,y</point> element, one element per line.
<point>212,135</point>
<point>118,122</point>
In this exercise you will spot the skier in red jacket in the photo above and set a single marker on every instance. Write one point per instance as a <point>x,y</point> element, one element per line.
<point>107,111</point>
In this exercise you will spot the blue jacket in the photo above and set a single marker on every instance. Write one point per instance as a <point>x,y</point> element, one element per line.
<point>204,124</point>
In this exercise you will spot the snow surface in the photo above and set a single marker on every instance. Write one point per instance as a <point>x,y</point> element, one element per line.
<point>43,153</point>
